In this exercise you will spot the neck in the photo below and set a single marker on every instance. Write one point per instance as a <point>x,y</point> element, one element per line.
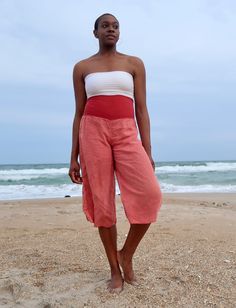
<point>107,50</point>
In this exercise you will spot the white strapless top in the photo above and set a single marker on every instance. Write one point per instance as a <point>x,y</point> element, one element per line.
<point>109,83</point>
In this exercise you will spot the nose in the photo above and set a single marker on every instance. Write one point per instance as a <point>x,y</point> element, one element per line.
<point>111,29</point>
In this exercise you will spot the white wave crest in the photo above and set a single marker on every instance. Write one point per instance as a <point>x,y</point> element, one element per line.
<point>198,188</point>
<point>29,174</point>
<point>12,192</point>
<point>209,167</point>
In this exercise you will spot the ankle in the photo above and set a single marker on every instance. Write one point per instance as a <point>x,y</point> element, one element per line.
<point>115,271</point>
<point>116,274</point>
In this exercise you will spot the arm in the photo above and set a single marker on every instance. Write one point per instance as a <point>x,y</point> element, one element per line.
<point>80,100</point>
<point>141,110</point>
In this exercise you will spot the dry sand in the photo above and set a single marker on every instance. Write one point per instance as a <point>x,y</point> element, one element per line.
<point>52,257</point>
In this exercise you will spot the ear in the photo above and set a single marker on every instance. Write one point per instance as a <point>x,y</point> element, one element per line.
<point>95,33</point>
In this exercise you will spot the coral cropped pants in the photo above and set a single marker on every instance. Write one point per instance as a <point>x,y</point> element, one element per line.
<point>110,146</point>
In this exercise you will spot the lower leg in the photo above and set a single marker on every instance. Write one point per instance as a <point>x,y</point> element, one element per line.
<point>136,233</point>
<point>125,255</point>
<point>109,240</point>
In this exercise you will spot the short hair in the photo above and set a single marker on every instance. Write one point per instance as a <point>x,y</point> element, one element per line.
<point>100,17</point>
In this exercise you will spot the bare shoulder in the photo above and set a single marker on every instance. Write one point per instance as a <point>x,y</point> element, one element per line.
<point>134,64</point>
<point>132,59</point>
<point>137,65</point>
<point>78,69</point>
<point>136,60</point>
<point>81,66</point>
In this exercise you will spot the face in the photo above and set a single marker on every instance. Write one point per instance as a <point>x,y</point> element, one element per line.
<point>108,30</point>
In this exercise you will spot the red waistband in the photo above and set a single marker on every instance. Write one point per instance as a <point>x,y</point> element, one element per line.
<point>110,106</point>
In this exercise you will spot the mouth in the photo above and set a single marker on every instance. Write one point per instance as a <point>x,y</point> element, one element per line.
<point>110,36</point>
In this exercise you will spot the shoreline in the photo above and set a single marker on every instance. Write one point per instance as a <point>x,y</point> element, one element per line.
<point>51,256</point>
<point>177,195</point>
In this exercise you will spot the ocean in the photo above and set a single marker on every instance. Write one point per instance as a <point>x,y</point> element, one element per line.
<point>52,180</point>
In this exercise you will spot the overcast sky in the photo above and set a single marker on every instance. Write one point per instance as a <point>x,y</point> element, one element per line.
<point>189,50</point>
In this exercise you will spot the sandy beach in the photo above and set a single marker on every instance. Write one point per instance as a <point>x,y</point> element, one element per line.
<point>52,257</point>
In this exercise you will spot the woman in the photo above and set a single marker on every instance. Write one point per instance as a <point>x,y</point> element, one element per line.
<point>105,137</point>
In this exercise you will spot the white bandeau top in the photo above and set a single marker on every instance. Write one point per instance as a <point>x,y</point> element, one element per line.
<point>109,83</point>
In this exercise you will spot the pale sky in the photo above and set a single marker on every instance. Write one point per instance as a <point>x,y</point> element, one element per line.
<point>188,48</point>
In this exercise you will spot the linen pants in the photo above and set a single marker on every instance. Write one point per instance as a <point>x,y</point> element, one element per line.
<point>109,148</point>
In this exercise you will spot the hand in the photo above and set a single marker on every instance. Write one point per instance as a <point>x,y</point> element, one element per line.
<point>152,162</point>
<point>74,173</point>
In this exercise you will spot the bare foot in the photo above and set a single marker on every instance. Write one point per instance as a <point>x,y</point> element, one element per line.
<point>127,268</point>
<point>115,284</point>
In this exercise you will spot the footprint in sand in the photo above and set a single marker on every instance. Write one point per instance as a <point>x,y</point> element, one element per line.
<point>10,291</point>
<point>63,212</point>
